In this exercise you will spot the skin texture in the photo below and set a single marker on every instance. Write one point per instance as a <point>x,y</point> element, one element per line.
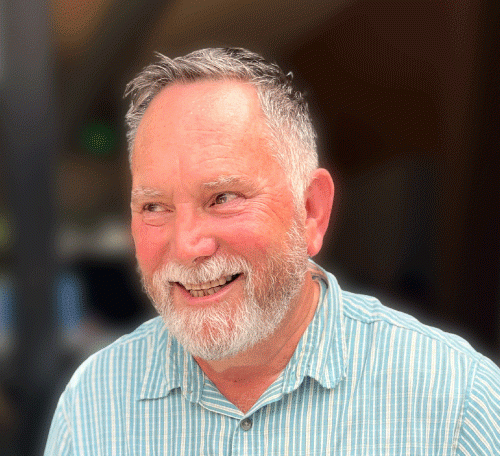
<point>203,184</point>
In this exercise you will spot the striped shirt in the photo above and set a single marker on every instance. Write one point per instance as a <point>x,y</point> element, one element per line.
<point>364,380</point>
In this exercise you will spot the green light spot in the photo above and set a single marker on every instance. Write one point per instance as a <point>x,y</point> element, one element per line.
<point>98,138</point>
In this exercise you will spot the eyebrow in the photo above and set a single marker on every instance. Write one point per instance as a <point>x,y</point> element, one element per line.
<point>224,180</point>
<point>221,181</point>
<point>141,192</point>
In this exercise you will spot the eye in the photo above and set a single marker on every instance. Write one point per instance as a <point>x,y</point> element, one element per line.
<point>153,207</point>
<point>155,214</point>
<point>223,198</point>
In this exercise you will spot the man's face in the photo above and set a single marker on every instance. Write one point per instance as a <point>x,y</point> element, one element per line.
<point>218,241</point>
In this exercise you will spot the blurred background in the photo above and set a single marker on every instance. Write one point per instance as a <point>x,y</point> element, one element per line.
<point>405,96</point>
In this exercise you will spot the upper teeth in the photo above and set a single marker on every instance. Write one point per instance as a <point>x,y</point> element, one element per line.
<point>206,285</point>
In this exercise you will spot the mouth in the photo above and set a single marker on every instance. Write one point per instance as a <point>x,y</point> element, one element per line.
<point>198,290</point>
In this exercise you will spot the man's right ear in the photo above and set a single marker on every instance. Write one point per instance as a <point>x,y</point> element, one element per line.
<point>318,205</point>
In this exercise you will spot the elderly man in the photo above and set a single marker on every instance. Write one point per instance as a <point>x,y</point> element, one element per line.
<point>258,350</point>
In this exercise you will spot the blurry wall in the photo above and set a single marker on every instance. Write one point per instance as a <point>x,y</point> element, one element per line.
<point>405,98</point>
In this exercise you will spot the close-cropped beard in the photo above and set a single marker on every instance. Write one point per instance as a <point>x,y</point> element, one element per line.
<point>230,327</point>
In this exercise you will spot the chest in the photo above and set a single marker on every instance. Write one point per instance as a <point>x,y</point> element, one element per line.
<point>308,421</point>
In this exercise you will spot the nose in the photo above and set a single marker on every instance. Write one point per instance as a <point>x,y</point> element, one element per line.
<point>192,239</point>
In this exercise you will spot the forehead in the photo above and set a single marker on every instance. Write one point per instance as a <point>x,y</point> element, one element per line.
<point>214,124</point>
<point>202,110</point>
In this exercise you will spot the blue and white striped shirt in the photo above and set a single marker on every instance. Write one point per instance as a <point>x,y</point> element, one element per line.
<point>364,380</point>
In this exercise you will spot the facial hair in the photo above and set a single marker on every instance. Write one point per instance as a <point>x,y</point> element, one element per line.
<point>235,324</point>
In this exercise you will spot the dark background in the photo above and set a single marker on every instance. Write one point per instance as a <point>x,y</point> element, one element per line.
<point>405,95</point>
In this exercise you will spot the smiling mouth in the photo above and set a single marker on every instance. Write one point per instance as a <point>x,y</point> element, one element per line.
<point>198,290</point>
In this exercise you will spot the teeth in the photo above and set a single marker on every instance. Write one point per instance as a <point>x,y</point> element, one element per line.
<point>198,290</point>
<point>207,285</point>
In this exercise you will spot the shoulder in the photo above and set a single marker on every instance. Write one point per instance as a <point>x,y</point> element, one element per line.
<point>395,343</point>
<point>404,330</point>
<point>425,365</point>
<point>107,385</point>
<point>417,374</point>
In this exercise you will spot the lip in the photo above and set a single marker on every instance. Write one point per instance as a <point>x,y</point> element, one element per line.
<point>209,299</point>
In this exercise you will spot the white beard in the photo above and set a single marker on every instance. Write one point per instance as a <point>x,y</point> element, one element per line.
<point>230,327</point>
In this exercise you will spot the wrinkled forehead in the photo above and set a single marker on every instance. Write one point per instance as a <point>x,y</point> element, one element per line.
<point>218,125</point>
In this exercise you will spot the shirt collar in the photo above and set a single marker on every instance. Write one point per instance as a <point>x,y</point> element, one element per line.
<point>321,352</point>
<point>169,367</point>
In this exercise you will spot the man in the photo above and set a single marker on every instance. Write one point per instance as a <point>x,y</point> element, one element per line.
<point>258,350</point>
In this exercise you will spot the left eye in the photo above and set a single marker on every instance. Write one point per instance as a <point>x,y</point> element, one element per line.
<point>222,198</point>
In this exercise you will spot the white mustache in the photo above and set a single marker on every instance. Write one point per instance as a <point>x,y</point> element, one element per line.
<point>212,269</point>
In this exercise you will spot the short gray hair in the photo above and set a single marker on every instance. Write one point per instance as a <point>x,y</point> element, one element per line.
<point>292,136</point>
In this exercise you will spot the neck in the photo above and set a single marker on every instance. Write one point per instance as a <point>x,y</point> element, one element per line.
<point>243,378</point>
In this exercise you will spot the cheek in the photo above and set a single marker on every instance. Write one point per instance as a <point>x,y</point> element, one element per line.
<point>251,240</point>
<point>150,245</point>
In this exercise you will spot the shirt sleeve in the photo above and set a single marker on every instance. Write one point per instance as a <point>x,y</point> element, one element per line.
<point>480,433</point>
<point>59,441</point>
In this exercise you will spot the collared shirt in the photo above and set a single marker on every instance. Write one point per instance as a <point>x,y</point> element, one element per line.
<point>364,380</point>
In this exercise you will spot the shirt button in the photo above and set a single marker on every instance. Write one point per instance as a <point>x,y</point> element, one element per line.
<point>246,424</point>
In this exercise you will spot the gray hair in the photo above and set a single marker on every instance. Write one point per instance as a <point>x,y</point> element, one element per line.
<point>292,136</point>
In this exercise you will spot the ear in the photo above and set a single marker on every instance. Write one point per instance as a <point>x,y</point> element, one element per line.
<point>318,205</point>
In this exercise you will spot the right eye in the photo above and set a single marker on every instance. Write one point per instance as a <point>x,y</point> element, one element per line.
<point>153,207</point>
<point>155,214</point>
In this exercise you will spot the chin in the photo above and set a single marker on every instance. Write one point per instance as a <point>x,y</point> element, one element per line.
<point>216,332</point>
